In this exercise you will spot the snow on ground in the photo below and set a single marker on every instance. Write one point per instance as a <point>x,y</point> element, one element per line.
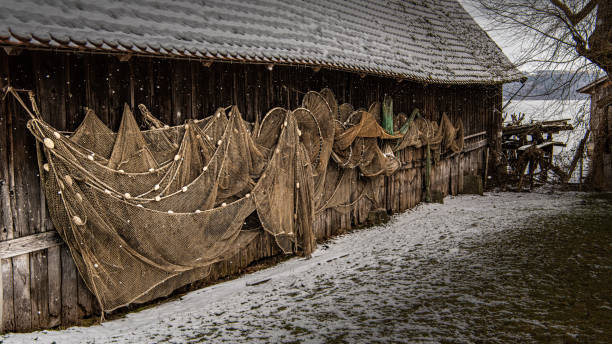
<point>411,280</point>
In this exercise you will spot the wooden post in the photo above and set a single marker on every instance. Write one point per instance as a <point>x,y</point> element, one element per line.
<point>486,170</point>
<point>428,174</point>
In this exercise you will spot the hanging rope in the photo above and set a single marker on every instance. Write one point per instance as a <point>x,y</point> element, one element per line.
<point>34,112</point>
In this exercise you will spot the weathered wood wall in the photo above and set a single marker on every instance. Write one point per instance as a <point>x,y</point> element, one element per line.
<point>601,135</point>
<point>42,289</point>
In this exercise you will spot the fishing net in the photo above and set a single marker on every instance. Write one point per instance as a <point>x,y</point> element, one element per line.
<point>144,212</point>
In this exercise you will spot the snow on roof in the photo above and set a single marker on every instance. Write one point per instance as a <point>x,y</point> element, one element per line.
<point>434,41</point>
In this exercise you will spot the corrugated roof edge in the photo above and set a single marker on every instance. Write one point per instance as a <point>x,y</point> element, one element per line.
<point>72,46</point>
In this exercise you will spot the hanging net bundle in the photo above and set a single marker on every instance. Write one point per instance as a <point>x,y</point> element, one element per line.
<point>144,212</point>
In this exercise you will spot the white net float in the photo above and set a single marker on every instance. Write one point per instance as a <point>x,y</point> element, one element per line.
<point>77,221</point>
<point>49,143</point>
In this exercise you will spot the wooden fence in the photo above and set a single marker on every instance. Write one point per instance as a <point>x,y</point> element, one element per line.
<point>48,292</point>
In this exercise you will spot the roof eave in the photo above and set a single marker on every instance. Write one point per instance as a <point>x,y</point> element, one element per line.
<point>72,47</point>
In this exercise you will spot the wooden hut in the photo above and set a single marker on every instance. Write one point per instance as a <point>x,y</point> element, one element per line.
<point>183,60</point>
<point>600,123</point>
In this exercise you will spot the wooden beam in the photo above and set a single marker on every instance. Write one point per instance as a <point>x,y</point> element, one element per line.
<point>12,51</point>
<point>124,57</point>
<point>30,243</point>
<point>474,146</point>
<point>474,135</point>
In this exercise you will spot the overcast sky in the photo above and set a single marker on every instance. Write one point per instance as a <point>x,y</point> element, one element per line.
<point>511,48</point>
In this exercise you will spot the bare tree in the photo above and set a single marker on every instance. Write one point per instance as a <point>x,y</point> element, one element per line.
<point>557,32</point>
<point>571,36</point>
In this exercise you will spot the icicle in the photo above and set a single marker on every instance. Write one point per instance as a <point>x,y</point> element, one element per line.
<point>198,211</point>
<point>204,168</point>
<point>140,206</point>
<point>151,169</point>
<point>184,188</point>
<point>127,195</point>
<point>46,167</point>
<point>57,135</point>
<point>156,187</point>
<point>297,185</point>
<point>170,212</point>
<point>224,204</point>
<point>177,157</point>
<point>107,191</point>
<point>90,157</point>
<point>157,198</point>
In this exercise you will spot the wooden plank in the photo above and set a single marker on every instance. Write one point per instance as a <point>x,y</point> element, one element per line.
<point>6,214</point>
<point>50,87</point>
<point>117,90</point>
<point>69,289</point>
<point>181,91</point>
<point>85,299</point>
<point>25,187</point>
<point>97,79</point>
<point>30,243</point>
<point>7,321</point>
<point>39,290</point>
<point>22,303</point>
<point>8,313</point>
<point>23,168</point>
<point>142,85</point>
<point>162,95</point>
<point>481,133</point>
<point>196,99</point>
<point>54,280</point>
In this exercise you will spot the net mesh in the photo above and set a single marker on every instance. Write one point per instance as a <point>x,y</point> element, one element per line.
<point>144,212</point>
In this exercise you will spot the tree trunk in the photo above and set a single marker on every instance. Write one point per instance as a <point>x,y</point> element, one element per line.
<point>600,41</point>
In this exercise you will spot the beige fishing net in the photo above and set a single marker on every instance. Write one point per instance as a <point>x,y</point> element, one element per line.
<point>146,211</point>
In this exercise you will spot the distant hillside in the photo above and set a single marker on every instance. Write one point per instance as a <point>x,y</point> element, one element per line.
<point>550,85</point>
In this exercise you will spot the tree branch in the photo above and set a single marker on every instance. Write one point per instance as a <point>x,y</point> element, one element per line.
<point>575,18</point>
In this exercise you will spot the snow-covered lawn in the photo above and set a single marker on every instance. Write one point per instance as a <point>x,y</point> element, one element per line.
<point>420,278</point>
